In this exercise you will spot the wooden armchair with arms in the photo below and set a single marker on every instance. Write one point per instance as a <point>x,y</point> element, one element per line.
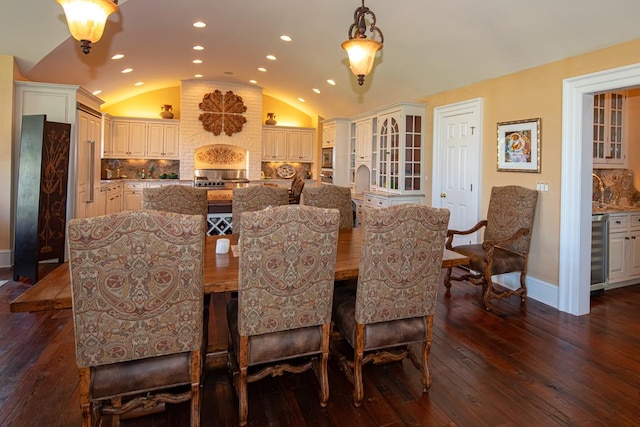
<point>281,320</point>
<point>394,302</point>
<point>331,196</point>
<point>297,185</point>
<point>505,248</point>
<point>137,302</point>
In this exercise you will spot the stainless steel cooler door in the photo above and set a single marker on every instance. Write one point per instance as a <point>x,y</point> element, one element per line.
<point>599,251</point>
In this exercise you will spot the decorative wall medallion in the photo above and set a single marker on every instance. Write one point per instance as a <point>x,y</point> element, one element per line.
<point>224,112</point>
<point>220,155</point>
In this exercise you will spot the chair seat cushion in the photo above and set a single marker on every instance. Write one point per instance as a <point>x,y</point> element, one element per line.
<point>277,345</point>
<point>504,261</point>
<point>140,376</point>
<point>377,335</point>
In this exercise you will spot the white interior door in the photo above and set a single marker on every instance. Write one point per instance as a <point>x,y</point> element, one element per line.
<point>457,160</point>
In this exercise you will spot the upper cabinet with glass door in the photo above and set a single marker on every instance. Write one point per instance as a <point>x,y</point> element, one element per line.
<point>609,133</point>
<point>401,148</point>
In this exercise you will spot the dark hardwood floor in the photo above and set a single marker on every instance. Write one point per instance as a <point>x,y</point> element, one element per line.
<point>513,366</point>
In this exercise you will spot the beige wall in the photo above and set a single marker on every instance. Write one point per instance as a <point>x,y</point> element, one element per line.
<point>7,76</point>
<point>536,92</point>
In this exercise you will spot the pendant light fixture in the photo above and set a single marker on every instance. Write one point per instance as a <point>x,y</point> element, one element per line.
<point>86,19</point>
<point>361,50</point>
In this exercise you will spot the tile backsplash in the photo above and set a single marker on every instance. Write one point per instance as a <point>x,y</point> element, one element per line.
<point>619,187</point>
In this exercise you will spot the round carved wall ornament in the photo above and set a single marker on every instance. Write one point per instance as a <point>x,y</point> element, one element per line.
<point>224,113</point>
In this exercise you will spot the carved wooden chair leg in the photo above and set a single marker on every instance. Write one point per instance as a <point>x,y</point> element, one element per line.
<point>324,361</point>
<point>358,355</point>
<point>426,349</point>
<point>447,279</point>
<point>243,412</point>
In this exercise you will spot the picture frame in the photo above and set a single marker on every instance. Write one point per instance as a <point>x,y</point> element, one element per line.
<point>519,146</point>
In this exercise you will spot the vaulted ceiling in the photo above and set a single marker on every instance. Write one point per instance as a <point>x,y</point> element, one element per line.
<point>429,46</point>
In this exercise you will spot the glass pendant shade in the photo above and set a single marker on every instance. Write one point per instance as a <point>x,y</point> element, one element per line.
<point>86,18</point>
<point>362,53</point>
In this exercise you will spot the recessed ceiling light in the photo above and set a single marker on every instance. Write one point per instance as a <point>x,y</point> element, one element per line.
<point>198,48</point>
<point>316,90</point>
<point>285,38</point>
<point>264,70</point>
<point>255,82</point>
<point>199,24</point>
<point>126,70</point>
<point>97,92</point>
<point>271,57</point>
<point>198,76</point>
<point>301,100</point>
<point>138,83</point>
<point>331,82</point>
<point>117,56</point>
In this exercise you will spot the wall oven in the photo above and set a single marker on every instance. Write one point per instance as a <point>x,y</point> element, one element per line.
<point>326,176</point>
<point>327,158</point>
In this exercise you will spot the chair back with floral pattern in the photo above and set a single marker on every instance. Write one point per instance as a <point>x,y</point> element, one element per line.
<point>255,198</point>
<point>511,208</point>
<point>287,268</point>
<point>176,198</point>
<point>402,249</point>
<point>137,289</point>
<point>331,196</point>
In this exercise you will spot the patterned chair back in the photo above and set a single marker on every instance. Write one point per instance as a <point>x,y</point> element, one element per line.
<point>287,268</point>
<point>331,196</point>
<point>137,289</point>
<point>402,249</point>
<point>297,185</point>
<point>510,209</point>
<point>176,198</point>
<point>255,198</point>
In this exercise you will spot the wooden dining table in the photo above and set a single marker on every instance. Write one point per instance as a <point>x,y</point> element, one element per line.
<point>53,292</point>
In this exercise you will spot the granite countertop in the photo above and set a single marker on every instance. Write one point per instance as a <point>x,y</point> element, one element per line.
<point>106,181</point>
<point>600,208</point>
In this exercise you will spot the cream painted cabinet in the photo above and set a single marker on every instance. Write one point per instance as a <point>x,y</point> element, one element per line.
<point>300,145</point>
<point>129,139</point>
<point>162,141</point>
<point>89,128</point>
<point>132,196</point>
<point>283,144</point>
<point>624,249</point>
<point>609,133</point>
<point>150,139</point>
<point>274,145</point>
<point>113,197</point>
<point>363,138</point>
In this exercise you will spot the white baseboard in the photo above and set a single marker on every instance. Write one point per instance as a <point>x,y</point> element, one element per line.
<point>538,290</point>
<point>6,258</point>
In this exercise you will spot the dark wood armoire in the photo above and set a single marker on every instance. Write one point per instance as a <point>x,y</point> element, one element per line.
<point>41,203</point>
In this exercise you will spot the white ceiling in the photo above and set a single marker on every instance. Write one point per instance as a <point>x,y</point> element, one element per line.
<point>430,46</point>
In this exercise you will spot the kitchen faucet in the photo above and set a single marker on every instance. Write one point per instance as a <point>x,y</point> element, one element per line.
<point>601,187</point>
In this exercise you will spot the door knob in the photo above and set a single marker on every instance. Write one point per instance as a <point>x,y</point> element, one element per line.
<point>443,195</point>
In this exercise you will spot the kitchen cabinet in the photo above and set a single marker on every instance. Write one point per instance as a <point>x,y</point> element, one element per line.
<point>132,196</point>
<point>400,145</point>
<point>624,249</point>
<point>162,141</point>
<point>283,144</point>
<point>609,130</point>
<point>113,197</point>
<point>106,135</point>
<point>339,136</point>
<point>363,140</point>
<point>89,128</point>
<point>149,139</point>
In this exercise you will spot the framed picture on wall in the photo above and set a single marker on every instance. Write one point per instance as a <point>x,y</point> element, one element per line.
<point>519,146</point>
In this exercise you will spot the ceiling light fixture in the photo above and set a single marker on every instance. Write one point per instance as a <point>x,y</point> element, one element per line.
<point>271,57</point>
<point>361,50</point>
<point>285,38</point>
<point>86,19</point>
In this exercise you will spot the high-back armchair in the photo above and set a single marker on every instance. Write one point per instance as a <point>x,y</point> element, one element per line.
<point>254,198</point>
<point>137,302</point>
<point>505,248</point>
<point>176,198</point>
<point>281,320</point>
<point>331,196</point>
<point>394,302</point>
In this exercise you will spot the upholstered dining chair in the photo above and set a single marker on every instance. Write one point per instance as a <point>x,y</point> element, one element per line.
<point>137,303</point>
<point>281,320</point>
<point>394,302</point>
<point>505,249</point>
<point>254,198</point>
<point>176,198</point>
<point>297,185</point>
<point>331,196</point>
